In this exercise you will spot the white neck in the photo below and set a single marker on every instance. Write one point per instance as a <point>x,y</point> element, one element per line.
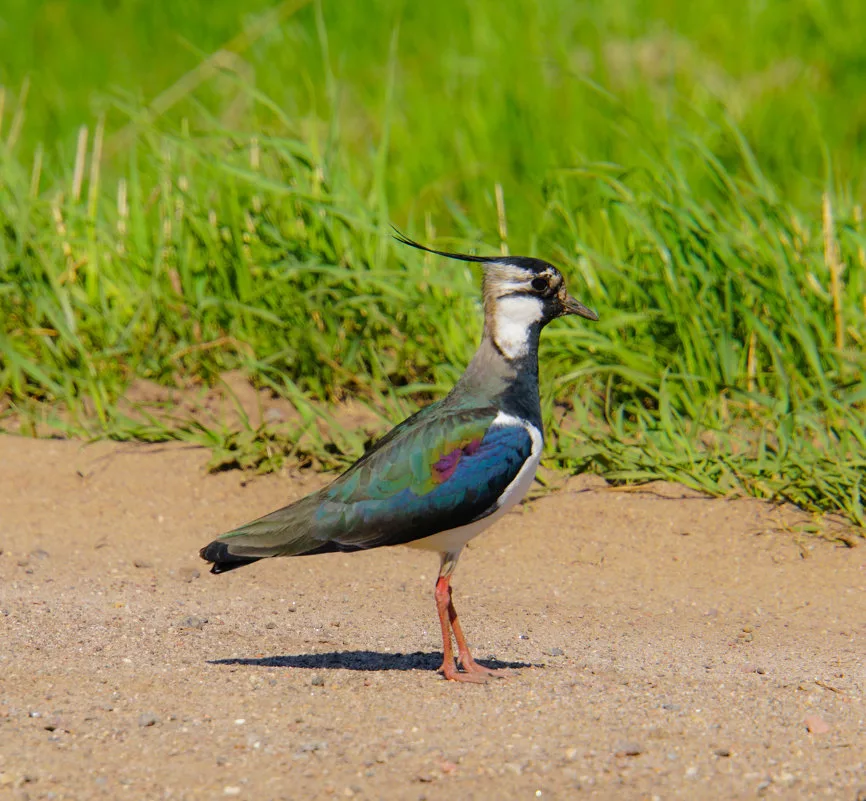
<point>513,318</point>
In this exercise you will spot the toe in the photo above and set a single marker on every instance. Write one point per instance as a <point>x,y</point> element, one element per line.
<point>451,673</point>
<point>479,670</point>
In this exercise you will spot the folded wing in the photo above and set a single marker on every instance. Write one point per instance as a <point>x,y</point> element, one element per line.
<point>435,472</point>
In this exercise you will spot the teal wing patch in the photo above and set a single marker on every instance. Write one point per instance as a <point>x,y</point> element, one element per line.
<point>438,470</point>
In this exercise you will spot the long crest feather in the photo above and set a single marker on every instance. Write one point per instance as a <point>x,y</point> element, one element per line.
<point>403,239</point>
<point>522,262</point>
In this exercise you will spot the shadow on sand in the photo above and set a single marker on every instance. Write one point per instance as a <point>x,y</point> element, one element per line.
<point>361,660</point>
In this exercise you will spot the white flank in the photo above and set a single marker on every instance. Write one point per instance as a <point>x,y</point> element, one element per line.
<point>513,317</point>
<point>452,541</point>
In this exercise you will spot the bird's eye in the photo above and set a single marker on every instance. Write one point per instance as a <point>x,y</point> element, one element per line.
<point>539,284</point>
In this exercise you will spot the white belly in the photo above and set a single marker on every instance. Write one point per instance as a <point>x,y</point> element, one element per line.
<point>454,539</point>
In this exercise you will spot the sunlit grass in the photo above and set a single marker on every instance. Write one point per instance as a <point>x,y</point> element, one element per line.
<point>248,227</point>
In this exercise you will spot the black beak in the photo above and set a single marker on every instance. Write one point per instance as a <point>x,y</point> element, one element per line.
<point>573,306</point>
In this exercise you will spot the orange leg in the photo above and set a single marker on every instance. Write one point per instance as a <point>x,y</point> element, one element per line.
<point>472,671</point>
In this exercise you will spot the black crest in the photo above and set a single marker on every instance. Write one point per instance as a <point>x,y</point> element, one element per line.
<point>522,262</point>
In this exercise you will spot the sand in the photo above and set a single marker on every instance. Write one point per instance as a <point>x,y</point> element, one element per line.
<point>663,645</point>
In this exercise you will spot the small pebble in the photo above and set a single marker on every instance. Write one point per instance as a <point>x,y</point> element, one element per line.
<point>270,625</point>
<point>192,622</point>
<point>816,725</point>
<point>722,752</point>
<point>555,652</point>
<point>308,748</point>
<point>141,563</point>
<point>147,719</point>
<point>318,681</point>
<point>231,790</point>
<point>628,749</point>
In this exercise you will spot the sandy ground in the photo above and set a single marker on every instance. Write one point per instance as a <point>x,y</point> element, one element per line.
<point>665,646</point>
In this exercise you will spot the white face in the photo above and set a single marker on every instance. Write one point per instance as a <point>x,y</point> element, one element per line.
<point>513,316</point>
<point>516,300</point>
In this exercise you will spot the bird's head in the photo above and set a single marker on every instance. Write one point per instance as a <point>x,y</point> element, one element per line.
<point>521,296</point>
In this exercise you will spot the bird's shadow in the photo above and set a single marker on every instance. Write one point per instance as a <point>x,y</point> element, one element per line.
<point>360,660</point>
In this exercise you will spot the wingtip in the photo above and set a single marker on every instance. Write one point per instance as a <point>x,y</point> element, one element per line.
<point>217,553</point>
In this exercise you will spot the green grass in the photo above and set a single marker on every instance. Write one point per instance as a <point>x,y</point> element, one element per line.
<point>684,164</point>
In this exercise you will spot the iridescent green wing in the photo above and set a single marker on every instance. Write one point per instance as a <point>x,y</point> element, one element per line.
<point>439,470</point>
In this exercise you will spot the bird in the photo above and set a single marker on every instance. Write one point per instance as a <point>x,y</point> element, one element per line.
<point>448,472</point>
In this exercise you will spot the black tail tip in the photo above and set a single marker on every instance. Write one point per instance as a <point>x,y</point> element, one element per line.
<point>223,561</point>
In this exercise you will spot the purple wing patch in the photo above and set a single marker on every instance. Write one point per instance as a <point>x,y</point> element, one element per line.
<point>447,464</point>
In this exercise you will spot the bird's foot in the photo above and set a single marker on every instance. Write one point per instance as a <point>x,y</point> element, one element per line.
<point>472,668</point>
<point>450,673</point>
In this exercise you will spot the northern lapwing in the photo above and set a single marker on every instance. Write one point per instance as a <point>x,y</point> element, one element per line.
<point>450,470</point>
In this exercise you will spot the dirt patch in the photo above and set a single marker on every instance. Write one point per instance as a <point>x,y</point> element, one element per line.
<point>664,644</point>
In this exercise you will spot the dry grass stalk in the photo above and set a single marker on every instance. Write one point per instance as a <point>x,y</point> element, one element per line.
<point>122,213</point>
<point>18,116</point>
<point>69,274</point>
<point>95,163</point>
<point>80,157</point>
<point>861,251</point>
<point>503,222</point>
<point>858,221</point>
<point>831,259</point>
<point>255,165</point>
<point>752,367</point>
<point>36,174</point>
